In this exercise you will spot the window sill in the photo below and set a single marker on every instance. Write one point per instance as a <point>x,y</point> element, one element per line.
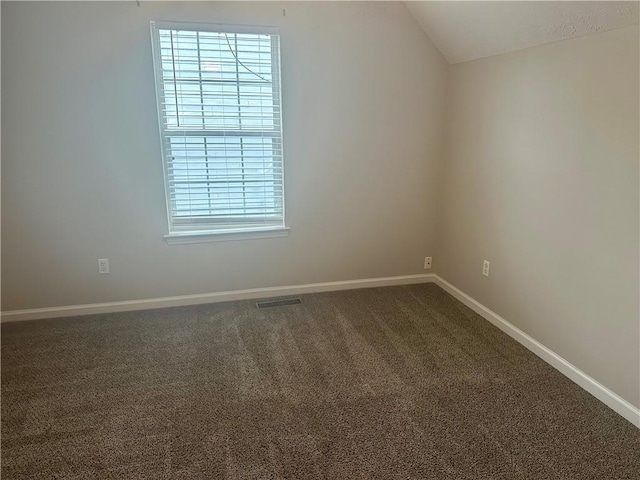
<point>179,238</point>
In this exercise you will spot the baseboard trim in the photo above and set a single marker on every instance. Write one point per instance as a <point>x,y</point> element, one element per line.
<point>602,393</point>
<point>215,297</point>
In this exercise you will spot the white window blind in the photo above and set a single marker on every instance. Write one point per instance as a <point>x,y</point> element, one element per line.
<point>218,92</point>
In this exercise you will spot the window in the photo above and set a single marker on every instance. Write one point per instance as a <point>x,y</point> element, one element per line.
<point>218,90</point>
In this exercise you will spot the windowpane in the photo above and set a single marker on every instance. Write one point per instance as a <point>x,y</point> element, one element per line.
<point>218,96</point>
<point>223,176</point>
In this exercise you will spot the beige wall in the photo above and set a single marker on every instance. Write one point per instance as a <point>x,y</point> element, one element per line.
<point>541,178</point>
<point>363,96</point>
<point>540,175</point>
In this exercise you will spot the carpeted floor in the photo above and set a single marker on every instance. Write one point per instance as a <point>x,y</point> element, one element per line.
<point>385,383</point>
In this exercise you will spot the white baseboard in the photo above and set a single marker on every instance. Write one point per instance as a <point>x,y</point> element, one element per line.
<point>602,393</point>
<point>215,297</point>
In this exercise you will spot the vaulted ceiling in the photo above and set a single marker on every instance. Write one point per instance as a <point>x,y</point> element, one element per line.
<point>467,30</point>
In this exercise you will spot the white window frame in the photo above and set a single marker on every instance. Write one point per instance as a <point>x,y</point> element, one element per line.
<point>219,231</point>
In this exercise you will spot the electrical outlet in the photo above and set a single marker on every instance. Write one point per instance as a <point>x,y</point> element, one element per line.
<point>485,268</point>
<point>427,263</point>
<point>103,266</point>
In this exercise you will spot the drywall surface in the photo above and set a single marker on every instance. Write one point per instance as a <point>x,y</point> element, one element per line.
<point>541,178</point>
<point>465,31</point>
<point>363,96</point>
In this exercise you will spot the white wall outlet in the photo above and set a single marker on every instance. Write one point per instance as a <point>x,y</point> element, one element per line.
<point>485,268</point>
<point>103,266</point>
<point>427,263</point>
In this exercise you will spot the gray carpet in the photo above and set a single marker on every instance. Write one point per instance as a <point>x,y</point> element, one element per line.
<point>388,383</point>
